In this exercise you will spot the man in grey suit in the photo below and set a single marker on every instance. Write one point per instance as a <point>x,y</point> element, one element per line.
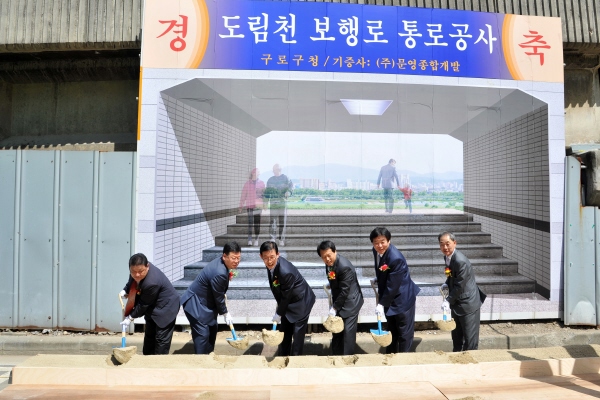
<point>386,178</point>
<point>347,297</point>
<point>464,297</point>
<point>295,299</point>
<point>205,298</point>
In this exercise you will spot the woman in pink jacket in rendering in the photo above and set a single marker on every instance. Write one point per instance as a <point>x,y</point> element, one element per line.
<point>252,202</point>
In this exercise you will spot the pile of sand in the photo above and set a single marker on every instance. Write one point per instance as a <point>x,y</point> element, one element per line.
<point>446,326</point>
<point>124,354</point>
<point>334,324</point>
<point>271,337</point>
<point>384,340</point>
<point>360,360</point>
<point>241,343</point>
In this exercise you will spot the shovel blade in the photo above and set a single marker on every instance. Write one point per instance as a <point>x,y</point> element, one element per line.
<point>377,332</point>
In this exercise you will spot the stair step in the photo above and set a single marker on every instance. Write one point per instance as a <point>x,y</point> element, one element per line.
<point>359,254</point>
<point>361,229</point>
<point>350,239</point>
<point>256,269</point>
<point>252,289</point>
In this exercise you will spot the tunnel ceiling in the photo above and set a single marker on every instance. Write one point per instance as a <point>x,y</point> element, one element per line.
<point>258,106</point>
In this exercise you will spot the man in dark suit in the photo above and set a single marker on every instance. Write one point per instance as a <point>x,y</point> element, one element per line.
<point>464,297</point>
<point>205,298</point>
<point>156,300</point>
<point>397,292</point>
<point>347,297</point>
<point>294,297</point>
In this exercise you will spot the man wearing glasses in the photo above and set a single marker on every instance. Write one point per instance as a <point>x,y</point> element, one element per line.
<point>205,298</point>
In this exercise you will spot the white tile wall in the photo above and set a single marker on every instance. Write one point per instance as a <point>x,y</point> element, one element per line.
<point>201,166</point>
<point>507,171</point>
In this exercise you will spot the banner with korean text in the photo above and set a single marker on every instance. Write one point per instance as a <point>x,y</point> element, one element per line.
<point>300,36</point>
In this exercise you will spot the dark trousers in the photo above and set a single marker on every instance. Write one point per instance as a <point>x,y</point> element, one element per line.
<point>296,331</point>
<point>204,336</point>
<point>388,197</point>
<point>277,220</point>
<point>466,334</point>
<point>253,222</point>
<point>157,340</point>
<point>408,204</point>
<point>342,344</point>
<point>402,328</point>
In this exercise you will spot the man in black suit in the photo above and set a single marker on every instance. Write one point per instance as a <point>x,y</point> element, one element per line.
<point>347,297</point>
<point>156,300</point>
<point>397,292</point>
<point>464,297</point>
<point>205,298</point>
<point>294,297</point>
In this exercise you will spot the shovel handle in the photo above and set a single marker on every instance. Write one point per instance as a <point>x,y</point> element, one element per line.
<point>274,326</point>
<point>375,290</point>
<point>233,332</point>
<point>328,295</point>
<point>379,323</point>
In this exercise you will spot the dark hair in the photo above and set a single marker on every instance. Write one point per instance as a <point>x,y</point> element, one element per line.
<point>449,234</point>
<point>268,246</point>
<point>231,247</point>
<point>325,244</point>
<point>380,231</point>
<point>138,259</point>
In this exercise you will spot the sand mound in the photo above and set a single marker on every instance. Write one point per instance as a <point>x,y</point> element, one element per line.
<point>271,337</point>
<point>241,343</point>
<point>334,324</point>
<point>383,340</point>
<point>124,354</point>
<point>446,326</point>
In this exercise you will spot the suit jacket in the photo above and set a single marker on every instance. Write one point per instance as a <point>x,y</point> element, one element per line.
<point>397,292</point>
<point>156,298</point>
<point>345,289</point>
<point>295,298</point>
<point>205,297</point>
<point>387,175</point>
<point>464,295</point>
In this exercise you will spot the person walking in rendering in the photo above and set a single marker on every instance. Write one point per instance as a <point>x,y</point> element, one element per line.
<point>347,297</point>
<point>279,188</point>
<point>252,201</point>
<point>295,299</point>
<point>464,296</point>
<point>156,300</point>
<point>386,178</point>
<point>205,298</point>
<point>407,192</point>
<point>397,291</point>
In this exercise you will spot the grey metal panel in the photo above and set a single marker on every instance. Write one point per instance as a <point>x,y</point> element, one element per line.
<point>115,216</point>
<point>36,230</point>
<point>579,258</point>
<point>75,239</point>
<point>8,166</point>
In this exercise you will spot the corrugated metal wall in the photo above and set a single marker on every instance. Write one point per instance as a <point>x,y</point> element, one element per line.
<point>76,24</point>
<point>69,24</point>
<point>66,233</point>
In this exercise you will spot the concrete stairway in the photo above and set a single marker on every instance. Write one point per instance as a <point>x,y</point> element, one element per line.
<point>414,234</point>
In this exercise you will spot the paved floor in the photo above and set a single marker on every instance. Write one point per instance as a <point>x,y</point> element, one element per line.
<point>547,388</point>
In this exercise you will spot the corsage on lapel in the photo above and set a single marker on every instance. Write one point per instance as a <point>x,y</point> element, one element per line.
<point>331,275</point>
<point>275,282</point>
<point>232,274</point>
<point>139,291</point>
<point>384,268</point>
<point>448,272</point>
